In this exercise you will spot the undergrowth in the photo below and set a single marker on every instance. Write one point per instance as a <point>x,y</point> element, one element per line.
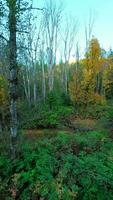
<point>63,167</point>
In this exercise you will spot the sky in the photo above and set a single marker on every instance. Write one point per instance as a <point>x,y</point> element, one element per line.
<point>103,19</point>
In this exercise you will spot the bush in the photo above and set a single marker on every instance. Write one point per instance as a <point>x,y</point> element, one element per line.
<point>62,167</point>
<point>42,116</point>
<point>95,111</point>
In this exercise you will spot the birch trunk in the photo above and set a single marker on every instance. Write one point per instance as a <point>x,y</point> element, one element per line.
<point>34,91</point>
<point>13,74</point>
<point>50,77</point>
<point>28,86</point>
<point>25,88</point>
<point>66,79</point>
<point>43,82</point>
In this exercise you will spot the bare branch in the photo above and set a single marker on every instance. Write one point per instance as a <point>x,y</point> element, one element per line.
<point>32,8</point>
<point>26,48</point>
<point>1,36</point>
<point>19,31</point>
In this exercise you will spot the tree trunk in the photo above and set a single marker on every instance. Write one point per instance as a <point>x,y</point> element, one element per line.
<point>28,85</point>
<point>13,73</point>
<point>66,78</point>
<point>25,88</point>
<point>34,92</point>
<point>50,77</point>
<point>43,82</point>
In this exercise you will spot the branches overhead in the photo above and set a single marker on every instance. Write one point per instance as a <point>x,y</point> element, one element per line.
<point>4,38</point>
<point>32,8</point>
<point>89,28</point>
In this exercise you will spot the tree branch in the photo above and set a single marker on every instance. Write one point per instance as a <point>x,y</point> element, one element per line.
<point>26,48</point>
<point>19,31</point>
<point>1,36</point>
<point>32,8</point>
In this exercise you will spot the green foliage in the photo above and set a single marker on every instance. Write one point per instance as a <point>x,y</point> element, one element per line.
<point>108,82</point>
<point>95,111</point>
<point>5,176</point>
<point>42,116</point>
<point>106,119</point>
<point>54,100</point>
<point>64,167</point>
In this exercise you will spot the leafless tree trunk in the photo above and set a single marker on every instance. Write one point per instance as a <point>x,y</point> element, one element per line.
<point>68,37</point>
<point>43,82</point>
<point>25,88</point>
<point>13,72</point>
<point>43,71</point>
<point>88,33</point>
<point>26,80</point>
<point>32,51</point>
<point>52,17</point>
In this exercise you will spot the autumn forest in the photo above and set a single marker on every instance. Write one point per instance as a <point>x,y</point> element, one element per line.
<point>56,105</point>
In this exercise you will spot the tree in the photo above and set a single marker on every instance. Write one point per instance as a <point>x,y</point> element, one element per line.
<point>108,76</point>
<point>90,88</point>
<point>12,26</point>
<point>88,31</point>
<point>69,36</point>
<point>31,51</point>
<point>14,9</point>
<point>52,17</point>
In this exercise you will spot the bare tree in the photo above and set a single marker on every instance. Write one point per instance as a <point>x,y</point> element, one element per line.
<point>31,56</point>
<point>88,30</point>
<point>69,37</point>
<point>42,63</point>
<point>33,44</point>
<point>52,19</point>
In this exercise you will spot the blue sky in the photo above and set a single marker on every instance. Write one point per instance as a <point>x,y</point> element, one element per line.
<point>103,26</point>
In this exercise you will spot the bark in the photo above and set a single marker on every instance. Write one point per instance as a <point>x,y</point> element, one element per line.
<point>34,82</point>
<point>13,73</point>
<point>28,85</point>
<point>43,82</point>
<point>50,76</point>
<point>66,78</point>
<point>50,68</point>
<point>34,91</point>
<point>25,88</point>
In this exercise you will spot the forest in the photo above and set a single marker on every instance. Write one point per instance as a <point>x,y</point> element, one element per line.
<point>56,105</point>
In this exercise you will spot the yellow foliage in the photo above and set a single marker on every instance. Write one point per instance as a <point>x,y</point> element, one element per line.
<point>83,91</point>
<point>86,91</point>
<point>3,92</point>
<point>93,59</point>
<point>94,49</point>
<point>99,99</point>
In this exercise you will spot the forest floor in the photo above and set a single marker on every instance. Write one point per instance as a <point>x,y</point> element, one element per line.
<point>74,125</point>
<point>69,162</point>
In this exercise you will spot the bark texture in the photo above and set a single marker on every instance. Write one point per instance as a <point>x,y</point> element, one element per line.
<point>13,72</point>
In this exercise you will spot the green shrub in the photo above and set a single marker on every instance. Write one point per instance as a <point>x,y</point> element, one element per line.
<point>65,166</point>
<point>42,116</point>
